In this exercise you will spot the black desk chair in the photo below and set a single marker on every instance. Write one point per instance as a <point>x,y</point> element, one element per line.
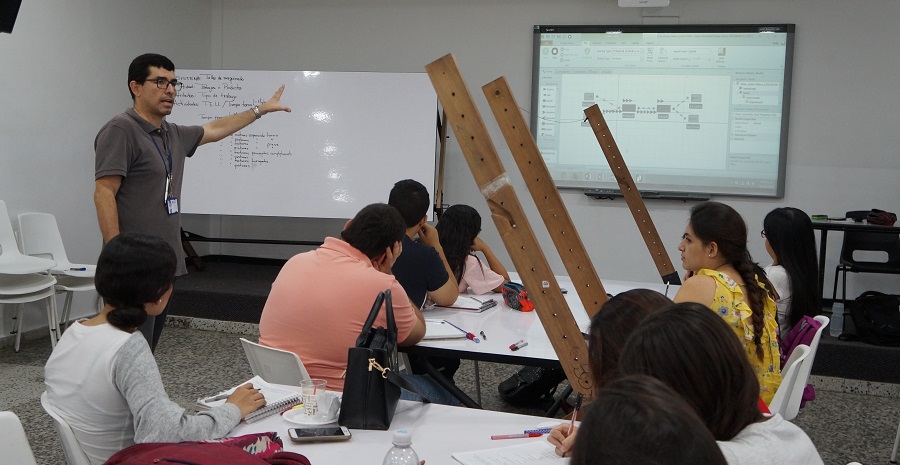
<point>866,241</point>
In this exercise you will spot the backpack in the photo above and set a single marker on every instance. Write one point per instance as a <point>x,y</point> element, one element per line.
<point>876,317</point>
<point>531,386</point>
<point>802,333</point>
<point>250,449</point>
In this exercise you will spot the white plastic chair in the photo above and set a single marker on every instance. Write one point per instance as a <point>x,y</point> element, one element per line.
<point>71,447</point>
<point>13,441</point>
<point>24,279</point>
<point>274,365</point>
<point>789,375</point>
<point>39,237</point>
<point>793,407</point>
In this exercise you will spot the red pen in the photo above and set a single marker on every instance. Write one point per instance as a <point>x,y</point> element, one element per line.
<point>469,335</point>
<point>575,413</point>
<point>516,436</point>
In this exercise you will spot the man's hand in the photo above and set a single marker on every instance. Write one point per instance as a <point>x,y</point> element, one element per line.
<point>429,236</point>
<point>385,262</point>
<point>274,103</point>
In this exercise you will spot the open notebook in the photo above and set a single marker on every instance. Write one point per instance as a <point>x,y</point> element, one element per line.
<point>277,399</point>
<point>528,452</point>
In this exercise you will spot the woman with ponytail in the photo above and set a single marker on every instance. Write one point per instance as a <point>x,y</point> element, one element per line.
<point>722,276</point>
<point>102,377</point>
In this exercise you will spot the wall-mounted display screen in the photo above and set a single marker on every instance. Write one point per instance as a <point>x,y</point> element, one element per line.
<point>693,109</point>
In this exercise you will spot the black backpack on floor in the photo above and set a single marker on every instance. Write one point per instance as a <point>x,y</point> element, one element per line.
<point>876,317</point>
<point>531,386</point>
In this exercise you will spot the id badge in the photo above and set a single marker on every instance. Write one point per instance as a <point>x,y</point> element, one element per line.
<point>172,205</point>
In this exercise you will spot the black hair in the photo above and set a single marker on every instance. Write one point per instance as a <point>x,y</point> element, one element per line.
<point>139,70</point>
<point>133,269</point>
<point>375,228</point>
<point>790,234</point>
<point>638,420</point>
<point>693,351</point>
<point>457,229</point>
<point>410,198</point>
<point>611,326</point>
<point>719,223</point>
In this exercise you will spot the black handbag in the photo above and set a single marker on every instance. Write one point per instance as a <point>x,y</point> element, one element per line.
<point>370,398</point>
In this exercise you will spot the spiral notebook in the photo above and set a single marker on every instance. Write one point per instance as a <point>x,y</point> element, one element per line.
<point>277,399</point>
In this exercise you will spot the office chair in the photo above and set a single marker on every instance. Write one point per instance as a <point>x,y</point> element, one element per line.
<point>39,237</point>
<point>788,390</point>
<point>866,241</point>
<point>274,365</point>
<point>13,442</point>
<point>71,447</point>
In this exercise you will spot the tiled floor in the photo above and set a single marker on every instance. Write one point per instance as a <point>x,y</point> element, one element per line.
<point>844,426</point>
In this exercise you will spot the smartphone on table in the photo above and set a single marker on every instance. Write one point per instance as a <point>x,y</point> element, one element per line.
<point>332,433</point>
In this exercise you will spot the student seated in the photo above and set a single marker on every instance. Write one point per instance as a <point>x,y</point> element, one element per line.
<point>793,273</point>
<point>695,353</point>
<point>422,268</point>
<point>102,377</point>
<point>722,276</point>
<point>458,231</point>
<point>610,328</point>
<point>320,299</point>
<point>637,420</point>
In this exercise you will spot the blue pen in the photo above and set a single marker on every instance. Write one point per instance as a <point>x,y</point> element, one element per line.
<point>77,269</point>
<point>538,431</point>
<point>469,335</point>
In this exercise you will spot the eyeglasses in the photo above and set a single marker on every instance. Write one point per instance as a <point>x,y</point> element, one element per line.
<point>762,234</point>
<point>163,83</point>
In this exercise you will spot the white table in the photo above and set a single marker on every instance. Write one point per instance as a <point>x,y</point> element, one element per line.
<point>504,326</point>
<point>437,431</point>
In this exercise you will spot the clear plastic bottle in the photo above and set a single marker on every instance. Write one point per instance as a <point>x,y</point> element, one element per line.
<point>837,319</point>
<point>401,453</point>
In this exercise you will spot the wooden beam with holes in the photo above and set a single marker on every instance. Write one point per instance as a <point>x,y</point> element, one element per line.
<point>545,194</point>
<point>513,226</point>
<point>632,196</point>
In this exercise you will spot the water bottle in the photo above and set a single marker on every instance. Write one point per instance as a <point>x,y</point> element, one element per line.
<point>401,453</point>
<point>837,319</point>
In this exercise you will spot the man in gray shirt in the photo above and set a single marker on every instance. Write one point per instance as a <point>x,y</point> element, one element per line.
<point>140,157</point>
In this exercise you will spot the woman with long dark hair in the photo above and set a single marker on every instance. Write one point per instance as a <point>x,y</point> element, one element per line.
<point>610,328</point>
<point>722,275</point>
<point>458,231</point>
<point>694,352</point>
<point>638,420</point>
<point>791,243</point>
<point>102,377</point>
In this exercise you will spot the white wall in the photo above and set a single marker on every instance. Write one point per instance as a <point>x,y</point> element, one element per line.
<point>63,74</point>
<point>843,135</point>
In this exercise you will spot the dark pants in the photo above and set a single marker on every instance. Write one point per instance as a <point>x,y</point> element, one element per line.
<point>153,326</point>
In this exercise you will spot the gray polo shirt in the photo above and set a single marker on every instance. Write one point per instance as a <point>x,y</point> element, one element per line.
<point>125,147</point>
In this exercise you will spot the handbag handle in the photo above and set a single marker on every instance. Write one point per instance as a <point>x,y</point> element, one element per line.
<point>384,298</point>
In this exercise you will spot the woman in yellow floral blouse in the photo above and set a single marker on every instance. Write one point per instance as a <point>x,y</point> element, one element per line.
<point>722,276</point>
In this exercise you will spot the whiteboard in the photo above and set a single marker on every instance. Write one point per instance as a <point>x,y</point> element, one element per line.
<point>350,137</point>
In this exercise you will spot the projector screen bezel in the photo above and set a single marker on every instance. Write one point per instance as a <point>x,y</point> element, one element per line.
<point>767,188</point>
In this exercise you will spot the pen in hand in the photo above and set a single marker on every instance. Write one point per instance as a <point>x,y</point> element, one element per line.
<point>575,413</point>
<point>221,396</point>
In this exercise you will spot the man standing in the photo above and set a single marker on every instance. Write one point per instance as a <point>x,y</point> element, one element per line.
<point>140,159</point>
<point>422,269</point>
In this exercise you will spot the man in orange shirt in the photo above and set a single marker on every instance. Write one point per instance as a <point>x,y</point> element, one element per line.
<point>320,299</point>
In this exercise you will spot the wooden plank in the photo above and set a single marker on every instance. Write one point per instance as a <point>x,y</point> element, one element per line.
<point>632,196</point>
<point>508,216</point>
<point>545,194</point>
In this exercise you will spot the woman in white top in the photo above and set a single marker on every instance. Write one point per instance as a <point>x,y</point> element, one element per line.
<point>458,231</point>
<point>694,352</point>
<point>791,243</point>
<point>102,377</point>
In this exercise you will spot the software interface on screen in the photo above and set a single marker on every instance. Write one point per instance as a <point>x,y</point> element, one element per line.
<point>690,111</point>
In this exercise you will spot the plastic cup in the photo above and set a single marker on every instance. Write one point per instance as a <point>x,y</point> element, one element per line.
<point>311,390</point>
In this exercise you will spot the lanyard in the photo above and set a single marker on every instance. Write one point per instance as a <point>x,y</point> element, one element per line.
<point>168,150</point>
